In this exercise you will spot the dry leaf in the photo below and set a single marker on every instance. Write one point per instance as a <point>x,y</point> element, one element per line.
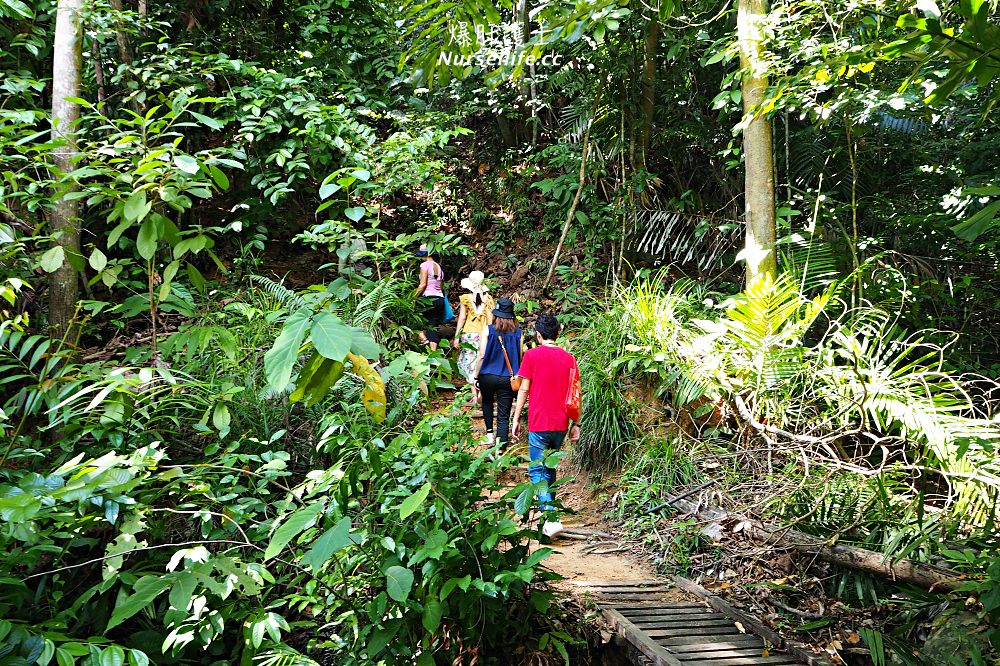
<point>853,638</point>
<point>739,625</point>
<point>765,653</point>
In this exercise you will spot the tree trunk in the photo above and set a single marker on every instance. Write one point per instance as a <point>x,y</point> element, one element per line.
<point>67,61</point>
<point>124,48</point>
<point>652,39</point>
<point>506,132</point>
<point>579,187</point>
<point>758,148</point>
<point>95,51</point>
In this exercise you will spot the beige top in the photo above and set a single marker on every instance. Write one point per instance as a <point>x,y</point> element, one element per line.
<point>475,321</point>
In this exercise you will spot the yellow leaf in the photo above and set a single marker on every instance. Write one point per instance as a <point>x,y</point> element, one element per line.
<point>823,75</point>
<point>373,395</point>
<point>866,67</point>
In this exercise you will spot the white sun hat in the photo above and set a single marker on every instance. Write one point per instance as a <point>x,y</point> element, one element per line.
<point>474,282</point>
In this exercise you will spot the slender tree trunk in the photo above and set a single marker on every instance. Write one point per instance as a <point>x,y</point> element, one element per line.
<point>506,132</point>
<point>652,39</point>
<point>95,52</point>
<point>758,147</point>
<point>124,48</point>
<point>579,188</point>
<point>67,61</point>
<point>528,90</point>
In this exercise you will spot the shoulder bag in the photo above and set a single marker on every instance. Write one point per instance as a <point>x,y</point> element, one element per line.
<point>573,397</point>
<point>515,381</point>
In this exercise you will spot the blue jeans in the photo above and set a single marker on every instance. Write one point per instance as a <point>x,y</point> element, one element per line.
<point>540,443</point>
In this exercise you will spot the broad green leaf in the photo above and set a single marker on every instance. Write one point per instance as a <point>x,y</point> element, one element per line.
<point>211,123</point>
<point>413,502</point>
<point>331,337</point>
<point>196,278</point>
<point>315,379</point>
<point>112,656</point>
<point>117,232</point>
<point>363,344</point>
<point>362,174</point>
<point>280,359</point>
<point>326,189</point>
<point>379,639</point>
<point>355,213</point>
<point>98,260</point>
<point>452,583</point>
<point>145,242</point>
<point>137,658</point>
<point>435,543</point>
<point>291,527</point>
<point>220,178</point>
<point>221,417</point>
<point>136,207</point>
<point>15,9</point>
<point>975,225</point>
<point>398,582</point>
<point>52,259</point>
<point>333,539</point>
<point>523,501</point>
<point>433,610</point>
<point>145,590</point>
<point>186,163</point>
<point>168,277</point>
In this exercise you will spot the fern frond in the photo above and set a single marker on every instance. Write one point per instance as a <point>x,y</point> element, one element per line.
<point>281,294</point>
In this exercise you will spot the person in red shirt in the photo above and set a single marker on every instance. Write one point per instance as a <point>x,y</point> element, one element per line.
<point>545,374</point>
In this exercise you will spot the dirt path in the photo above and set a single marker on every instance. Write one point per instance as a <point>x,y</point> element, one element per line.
<point>578,560</point>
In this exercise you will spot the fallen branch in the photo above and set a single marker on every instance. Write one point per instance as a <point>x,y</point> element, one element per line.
<point>805,615</point>
<point>922,575</point>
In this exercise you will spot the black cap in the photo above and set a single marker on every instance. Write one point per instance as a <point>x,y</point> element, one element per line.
<point>504,309</point>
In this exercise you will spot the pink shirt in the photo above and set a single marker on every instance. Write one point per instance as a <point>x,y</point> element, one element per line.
<point>548,370</point>
<point>435,276</point>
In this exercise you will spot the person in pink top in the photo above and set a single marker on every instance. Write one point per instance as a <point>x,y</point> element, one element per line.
<point>431,287</point>
<point>545,377</point>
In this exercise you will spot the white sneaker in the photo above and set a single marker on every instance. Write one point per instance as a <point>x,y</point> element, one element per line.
<point>489,439</point>
<point>552,528</point>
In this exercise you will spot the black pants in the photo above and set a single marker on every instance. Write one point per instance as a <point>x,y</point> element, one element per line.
<point>496,388</point>
<point>434,313</point>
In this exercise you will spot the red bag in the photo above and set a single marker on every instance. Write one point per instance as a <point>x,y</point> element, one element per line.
<point>573,397</point>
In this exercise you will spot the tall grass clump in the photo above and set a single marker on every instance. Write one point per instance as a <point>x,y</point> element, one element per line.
<point>607,425</point>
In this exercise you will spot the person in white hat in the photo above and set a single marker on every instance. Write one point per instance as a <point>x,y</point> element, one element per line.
<point>475,313</point>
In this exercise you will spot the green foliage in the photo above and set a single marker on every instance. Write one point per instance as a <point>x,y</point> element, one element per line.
<point>826,378</point>
<point>384,551</point>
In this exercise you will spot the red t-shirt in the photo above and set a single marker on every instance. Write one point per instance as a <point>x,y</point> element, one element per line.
<point>548,370</point>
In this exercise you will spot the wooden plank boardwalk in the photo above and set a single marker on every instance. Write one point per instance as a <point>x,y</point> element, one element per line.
<point>671,633</point>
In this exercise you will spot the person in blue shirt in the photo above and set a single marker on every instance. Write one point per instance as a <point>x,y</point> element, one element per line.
<point>500,346</point>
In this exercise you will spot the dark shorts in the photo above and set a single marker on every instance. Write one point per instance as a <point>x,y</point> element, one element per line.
<point>434,314</point>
